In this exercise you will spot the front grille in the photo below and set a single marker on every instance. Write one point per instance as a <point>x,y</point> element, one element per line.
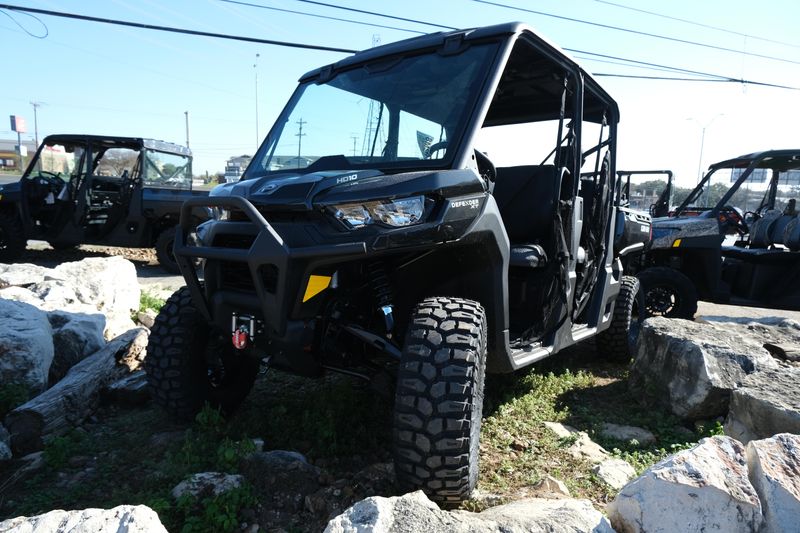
<point>235,276</point>
<point>233,240</point>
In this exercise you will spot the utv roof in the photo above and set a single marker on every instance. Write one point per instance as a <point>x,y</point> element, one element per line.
<point>110,141</point>
<point>438,40</point>
<point>776,159</point>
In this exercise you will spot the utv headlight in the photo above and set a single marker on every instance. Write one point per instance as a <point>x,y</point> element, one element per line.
<point>396,213</point>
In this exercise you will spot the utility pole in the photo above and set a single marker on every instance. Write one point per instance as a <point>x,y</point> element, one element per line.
<point>186,113</point>
<point>355,138</point>
<point>36,123</point>
<point>255,69</point>
<point>300,136</point>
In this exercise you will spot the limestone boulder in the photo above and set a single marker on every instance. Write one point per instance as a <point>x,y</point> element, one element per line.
<point>75,337</point>
<point>207,484</point>
<point>109,283</point>
<point>767,403</point>
<point>121,519</point>
<point>775,473</point>
<point>767,330</point>
<point>705,488</point>
<point>583,447</point>
<point>105,285</point>
<point>627,433</point>
<point>22,275</point>
<point>692,368</point>
<point>414,512</point>
<point>614,472</point>
<point>26,345</point>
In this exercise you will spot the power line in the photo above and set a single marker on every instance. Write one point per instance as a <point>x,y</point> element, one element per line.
<point>656,65</point>
<point>748,82</point>
<point>700,24</point>
<point>632,61</point>
<point>331,49</point>
<point>23,28</point>
<point>668,78</point>
<point>365,12</point>
<point>637,32</point>
<point>175,30</point>
<point>248,4</point>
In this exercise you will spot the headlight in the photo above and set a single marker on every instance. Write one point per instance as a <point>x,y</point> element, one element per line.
<point>396,213</point>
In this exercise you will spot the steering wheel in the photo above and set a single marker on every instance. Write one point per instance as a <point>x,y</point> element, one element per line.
<point>486,168</point>
<point>435,147</point>
<point>730,215</point>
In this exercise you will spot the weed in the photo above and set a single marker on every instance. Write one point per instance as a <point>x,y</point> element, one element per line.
<point>59,449</point>
<point>12,395</point>
<point>149,301</point>
<point>213,514</point>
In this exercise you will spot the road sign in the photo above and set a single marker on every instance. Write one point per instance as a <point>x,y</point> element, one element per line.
<point>18,124</point>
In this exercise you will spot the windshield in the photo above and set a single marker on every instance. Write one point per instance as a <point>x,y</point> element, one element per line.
<point>58,159</point>
<point>167,170</point>
<point>749,196</point>
<point>401,112</point>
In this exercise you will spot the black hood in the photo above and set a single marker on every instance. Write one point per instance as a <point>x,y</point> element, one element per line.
<point>10,192</point>
<point>318,189</point>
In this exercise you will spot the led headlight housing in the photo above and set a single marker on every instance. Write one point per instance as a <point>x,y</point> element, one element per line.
<point>395,213</point>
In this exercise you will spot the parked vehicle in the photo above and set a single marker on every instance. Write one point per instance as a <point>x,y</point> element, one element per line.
<point>473,232</point>
<point>652,196</point>
<point>90,189</point>
<point>735,239</point>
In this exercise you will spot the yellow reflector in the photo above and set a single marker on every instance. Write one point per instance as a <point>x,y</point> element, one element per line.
<point>676,243</point>
<point>316,284</point>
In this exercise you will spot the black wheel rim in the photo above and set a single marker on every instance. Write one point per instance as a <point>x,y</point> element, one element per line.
<point>661,300</point>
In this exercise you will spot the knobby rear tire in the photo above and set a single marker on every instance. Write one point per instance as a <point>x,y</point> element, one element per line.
<point>616,342</point>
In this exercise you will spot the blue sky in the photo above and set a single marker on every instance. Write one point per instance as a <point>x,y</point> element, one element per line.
<point>94,78</point>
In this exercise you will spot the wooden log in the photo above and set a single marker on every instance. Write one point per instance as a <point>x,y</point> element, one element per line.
<point>70,401</point>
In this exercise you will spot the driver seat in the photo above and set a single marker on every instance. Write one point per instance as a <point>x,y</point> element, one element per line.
<point>760,232</point>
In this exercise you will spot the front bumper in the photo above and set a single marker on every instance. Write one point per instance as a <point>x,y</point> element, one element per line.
<point>277,270</point>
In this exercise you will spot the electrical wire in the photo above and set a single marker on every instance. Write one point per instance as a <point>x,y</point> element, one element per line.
<point>365,12</point>
<point>700,24</point>
<point>344,50</point>
<point>315,15</point>
<point>637,32</point>
<point>744,82</point>
<point>175,30</point>
<point>23,28</point>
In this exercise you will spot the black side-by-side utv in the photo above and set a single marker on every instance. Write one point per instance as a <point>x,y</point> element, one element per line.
<point>472,230</point>
<point>735,239</point>
<point>91,189</point>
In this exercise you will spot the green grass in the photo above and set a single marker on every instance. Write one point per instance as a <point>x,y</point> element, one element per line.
<point>149,301</point>
<point>348,426</point>
<point>518,450</point>
<point>12,395</point>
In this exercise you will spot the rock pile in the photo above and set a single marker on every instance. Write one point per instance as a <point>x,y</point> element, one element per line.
<point>719,485</point>
<point>717,369</point>
<point>65,334</point>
